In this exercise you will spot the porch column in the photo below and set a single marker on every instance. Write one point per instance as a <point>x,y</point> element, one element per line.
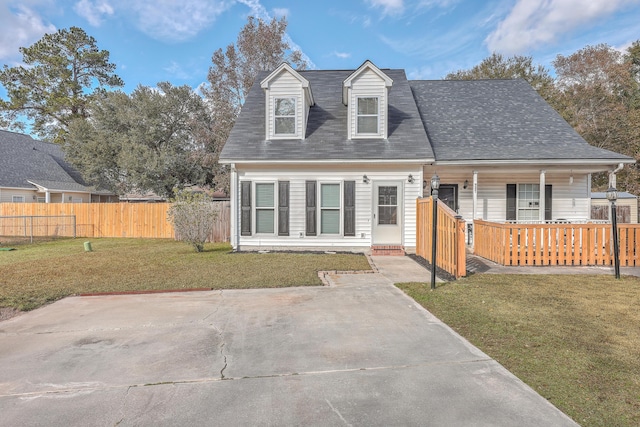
<point>47,196</point>
<point>542,195</point>
<point>475,194</point>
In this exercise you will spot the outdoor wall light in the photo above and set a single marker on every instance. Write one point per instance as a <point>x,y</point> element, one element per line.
<point>410,179</point>
<point>435,182</point>
<point>365,179</point>
<point>466,184</point>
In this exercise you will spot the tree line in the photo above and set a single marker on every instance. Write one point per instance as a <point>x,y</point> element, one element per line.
<point>169,137</point>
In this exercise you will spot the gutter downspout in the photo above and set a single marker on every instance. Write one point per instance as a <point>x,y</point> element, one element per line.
<point>235,193</point>
<point>612,175</point>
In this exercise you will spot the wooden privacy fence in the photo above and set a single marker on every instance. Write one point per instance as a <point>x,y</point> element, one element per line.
<point>555,244</point>
<point>450,246</point>
<point>145,220</point>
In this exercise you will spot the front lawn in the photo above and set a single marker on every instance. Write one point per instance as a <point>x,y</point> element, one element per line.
<point>574,339</point>
<point>36,274</point>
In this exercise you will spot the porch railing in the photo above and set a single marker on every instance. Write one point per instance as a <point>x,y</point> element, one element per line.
<point>450,250</point>
<point>555,244</point>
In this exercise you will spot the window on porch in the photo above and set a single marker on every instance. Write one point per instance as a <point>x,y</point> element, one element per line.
<point>528,202</point>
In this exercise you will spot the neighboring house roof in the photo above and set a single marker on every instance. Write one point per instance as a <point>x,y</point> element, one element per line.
<point>621,195</point>
<point>28,163</point>
<point>498,120</point>
<point>326,134</point>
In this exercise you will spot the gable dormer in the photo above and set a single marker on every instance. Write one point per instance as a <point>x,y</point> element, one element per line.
<point>366,94</point>
<point>288,98</point>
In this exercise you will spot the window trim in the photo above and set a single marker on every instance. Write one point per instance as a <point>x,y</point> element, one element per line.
<point>339,209</point>
<point>294,117</point>
<point>14,197</point>
<point>376,115</point>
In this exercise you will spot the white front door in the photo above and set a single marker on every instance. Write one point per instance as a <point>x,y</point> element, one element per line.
<point>387,213</point>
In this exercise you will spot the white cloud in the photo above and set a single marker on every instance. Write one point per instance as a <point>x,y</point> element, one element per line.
<point>281,11</point>
<point>422,73</point>
<point>173,21</point>
<point>531,25</point>
<point>93,12</point>
<point>20,26</point>
<point>176,70</point>
<point>342,55</point>
<point>389,7</point>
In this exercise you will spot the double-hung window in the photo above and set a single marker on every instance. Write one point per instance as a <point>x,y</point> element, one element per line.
<point>330,208</point>
<point>367,118</point>
<point>528,202</point>
<point>285,116</point>
<point>17,199</point>
<point>265,208</point>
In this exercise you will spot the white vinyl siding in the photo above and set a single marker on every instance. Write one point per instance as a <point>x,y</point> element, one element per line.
<point>571,201</point>
<point>298,175</point>
<point>369,86</point>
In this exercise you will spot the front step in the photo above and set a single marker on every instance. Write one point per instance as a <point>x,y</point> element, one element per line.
<point>390,250</point>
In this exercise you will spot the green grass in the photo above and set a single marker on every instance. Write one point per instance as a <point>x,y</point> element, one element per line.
<point>36,274</point>
<point>574,339</point>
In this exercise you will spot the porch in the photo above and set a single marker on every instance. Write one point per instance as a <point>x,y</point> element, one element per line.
<point>555,243</point>
<point>517,244</point>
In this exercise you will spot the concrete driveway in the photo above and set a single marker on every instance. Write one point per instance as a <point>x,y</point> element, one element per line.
<point>356,353</point>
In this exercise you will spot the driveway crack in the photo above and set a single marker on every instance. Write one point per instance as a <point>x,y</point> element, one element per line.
<point>222,377</point>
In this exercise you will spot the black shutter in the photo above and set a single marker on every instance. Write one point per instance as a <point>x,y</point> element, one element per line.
<point>548,212</point>
<point>349,208</point>
<point>311,208</point>
<point>245,206</point>
<point>283,208</point>
<point>511,202</point>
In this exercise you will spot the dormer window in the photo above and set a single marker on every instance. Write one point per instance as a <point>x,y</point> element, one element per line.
<point>365,93</point>
<point>288,99</point>
<point>367,122</point>
<point>285,116</point>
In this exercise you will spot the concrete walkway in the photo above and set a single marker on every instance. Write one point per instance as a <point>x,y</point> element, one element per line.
<point>357,353</point>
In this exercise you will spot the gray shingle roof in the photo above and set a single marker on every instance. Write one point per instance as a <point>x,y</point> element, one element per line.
<point>497,120</point>
<point>24,160</point>
<point>451,120</point>
<point>326,133</point>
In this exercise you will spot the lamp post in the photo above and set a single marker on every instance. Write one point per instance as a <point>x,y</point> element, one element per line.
<point>435,184</point>
<point>612,196</point>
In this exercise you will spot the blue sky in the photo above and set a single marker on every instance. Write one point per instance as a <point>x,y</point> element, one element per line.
<point>173,40</point>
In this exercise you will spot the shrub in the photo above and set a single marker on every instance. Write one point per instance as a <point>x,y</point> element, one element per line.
<point>192,215</point>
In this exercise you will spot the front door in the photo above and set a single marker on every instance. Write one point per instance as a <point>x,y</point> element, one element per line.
<point>448,194</point>
<point>387,213</point>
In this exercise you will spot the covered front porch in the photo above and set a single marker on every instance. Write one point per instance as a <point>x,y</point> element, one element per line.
<point>556,243</point>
